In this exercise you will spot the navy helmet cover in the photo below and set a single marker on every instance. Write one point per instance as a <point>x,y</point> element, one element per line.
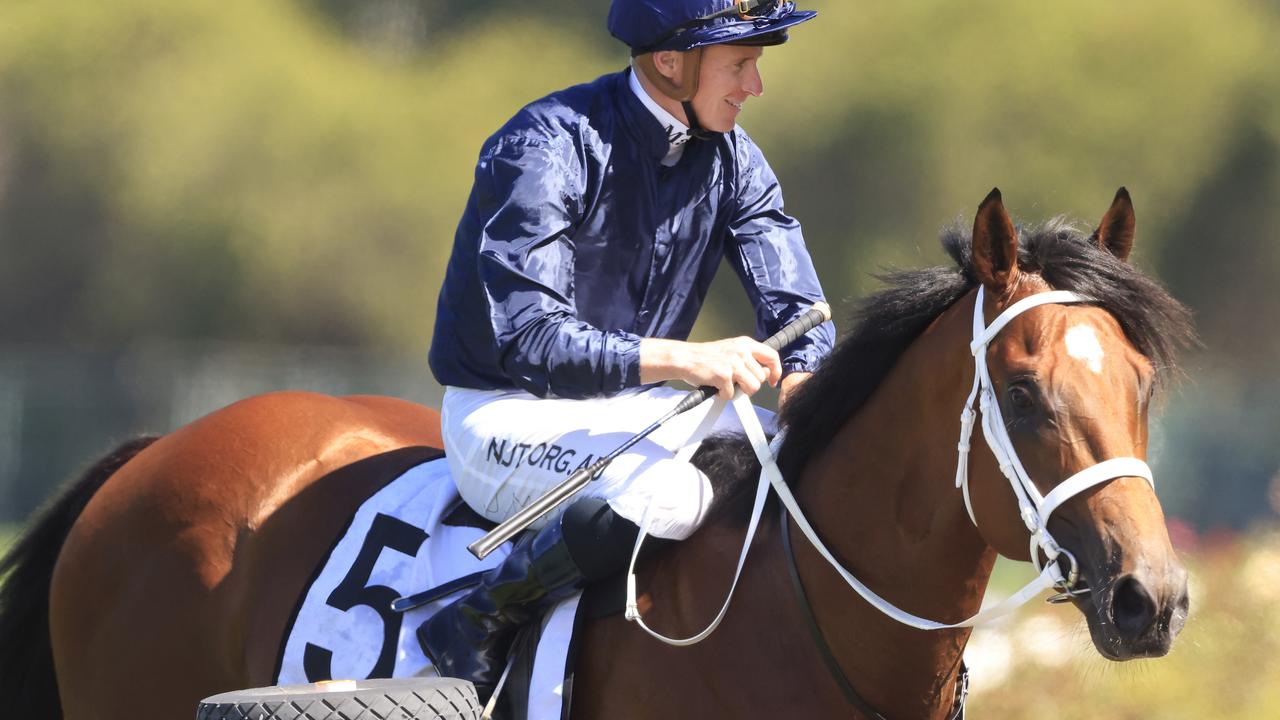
<point>652,25</point>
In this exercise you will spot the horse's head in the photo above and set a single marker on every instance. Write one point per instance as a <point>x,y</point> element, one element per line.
<point>1074,383</point>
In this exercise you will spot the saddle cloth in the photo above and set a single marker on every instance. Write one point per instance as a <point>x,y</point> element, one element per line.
<point>402,540</point>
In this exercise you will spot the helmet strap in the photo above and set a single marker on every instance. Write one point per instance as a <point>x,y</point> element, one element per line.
<point>688,86</point>
<point>696,131</point>
<point>682,93</point>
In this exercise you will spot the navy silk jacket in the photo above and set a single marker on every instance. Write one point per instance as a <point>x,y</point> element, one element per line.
<point>576,243</point>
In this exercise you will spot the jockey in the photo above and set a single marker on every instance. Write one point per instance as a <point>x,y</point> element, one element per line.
<point>597,219</point>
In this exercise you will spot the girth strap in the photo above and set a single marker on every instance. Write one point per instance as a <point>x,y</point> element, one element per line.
<point>824,650</point>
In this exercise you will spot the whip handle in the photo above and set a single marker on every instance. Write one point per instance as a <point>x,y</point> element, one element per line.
<point>815,316</point>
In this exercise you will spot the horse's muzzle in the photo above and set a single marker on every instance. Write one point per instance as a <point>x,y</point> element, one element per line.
<point>1138,614</point>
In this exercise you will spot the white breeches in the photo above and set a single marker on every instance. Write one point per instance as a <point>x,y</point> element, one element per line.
<point>507,447</point>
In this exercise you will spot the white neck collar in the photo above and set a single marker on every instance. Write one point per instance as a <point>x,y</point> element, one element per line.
<point>677,132</point>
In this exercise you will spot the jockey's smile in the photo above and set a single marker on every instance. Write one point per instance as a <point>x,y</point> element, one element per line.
<point>728,76</point>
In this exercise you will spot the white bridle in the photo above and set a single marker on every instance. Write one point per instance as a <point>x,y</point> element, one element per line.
<point>1034,508</point>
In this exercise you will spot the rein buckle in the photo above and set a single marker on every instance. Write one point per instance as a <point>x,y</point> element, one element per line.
<point>1070,578</point>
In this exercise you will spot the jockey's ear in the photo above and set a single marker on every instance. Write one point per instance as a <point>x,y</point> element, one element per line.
<point>674,74</point>
<point>995,245</point>
<point>1115,232</point>
<point>670,64</point>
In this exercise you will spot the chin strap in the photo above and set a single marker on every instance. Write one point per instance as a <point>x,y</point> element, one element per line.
<point>682,92</point>
<point>696,131</point>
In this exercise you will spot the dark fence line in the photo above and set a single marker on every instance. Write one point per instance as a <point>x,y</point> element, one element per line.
<point>1213,446</point>
<point>61,408</point>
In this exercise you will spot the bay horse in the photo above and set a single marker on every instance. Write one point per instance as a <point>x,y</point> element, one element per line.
<point>168,572</point>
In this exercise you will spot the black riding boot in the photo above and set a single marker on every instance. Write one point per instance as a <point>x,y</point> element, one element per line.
<point>469,639</point>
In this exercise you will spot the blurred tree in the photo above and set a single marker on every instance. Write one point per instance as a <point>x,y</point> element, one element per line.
<point>1222,259</point>
<point>291,171</point>
<point>403,26</point>
<point>236,157</point>
<point>1223,255</point>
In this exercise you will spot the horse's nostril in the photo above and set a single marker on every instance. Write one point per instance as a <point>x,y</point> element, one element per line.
<point>1132,608</point>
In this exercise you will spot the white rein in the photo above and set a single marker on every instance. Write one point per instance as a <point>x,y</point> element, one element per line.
<point>1034,508</point>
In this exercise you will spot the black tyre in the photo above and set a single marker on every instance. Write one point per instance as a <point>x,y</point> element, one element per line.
<point>407,699</point>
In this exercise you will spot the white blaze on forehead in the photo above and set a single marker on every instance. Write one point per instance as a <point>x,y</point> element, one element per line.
<point>1082,344</point>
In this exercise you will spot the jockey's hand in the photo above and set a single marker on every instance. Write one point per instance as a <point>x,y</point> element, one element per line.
<point>722,364</point>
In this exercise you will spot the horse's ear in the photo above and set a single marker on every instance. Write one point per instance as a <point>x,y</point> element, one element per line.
<point>1115,232</point>
<point>995,244</point>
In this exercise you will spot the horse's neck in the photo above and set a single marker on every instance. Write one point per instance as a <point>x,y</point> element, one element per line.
<point>882,495</point>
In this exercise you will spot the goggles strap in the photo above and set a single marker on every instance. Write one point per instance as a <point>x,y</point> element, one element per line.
<point>743,9</point>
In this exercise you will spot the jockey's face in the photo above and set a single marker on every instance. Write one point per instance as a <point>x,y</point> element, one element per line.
<point>729,75</point>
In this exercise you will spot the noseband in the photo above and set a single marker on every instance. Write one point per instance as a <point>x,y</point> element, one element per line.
<point>1034,508</point>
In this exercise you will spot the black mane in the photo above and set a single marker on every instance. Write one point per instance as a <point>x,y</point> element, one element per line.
<point>887,322</point>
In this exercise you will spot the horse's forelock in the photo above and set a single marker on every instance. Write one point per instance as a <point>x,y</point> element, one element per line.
<point>1068,258</point>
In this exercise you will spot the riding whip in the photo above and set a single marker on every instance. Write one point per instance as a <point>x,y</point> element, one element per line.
<point>514,525</point>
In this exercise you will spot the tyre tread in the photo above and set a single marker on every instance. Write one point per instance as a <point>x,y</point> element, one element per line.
<point>444,699</point>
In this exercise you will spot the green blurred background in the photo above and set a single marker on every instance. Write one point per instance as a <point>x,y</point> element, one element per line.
<point>204,200</point>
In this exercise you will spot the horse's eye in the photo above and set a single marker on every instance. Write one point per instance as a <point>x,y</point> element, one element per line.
<point>1020,398</point>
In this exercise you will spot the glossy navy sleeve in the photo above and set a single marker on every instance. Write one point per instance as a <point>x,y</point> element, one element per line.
<point>767,250</point>
<point>531,200</point>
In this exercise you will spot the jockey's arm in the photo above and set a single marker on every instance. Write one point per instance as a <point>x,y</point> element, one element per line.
<point>766,250</point>
<point>526,267</point>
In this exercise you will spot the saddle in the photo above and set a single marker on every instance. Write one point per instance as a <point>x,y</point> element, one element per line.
<point>412,534</point>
